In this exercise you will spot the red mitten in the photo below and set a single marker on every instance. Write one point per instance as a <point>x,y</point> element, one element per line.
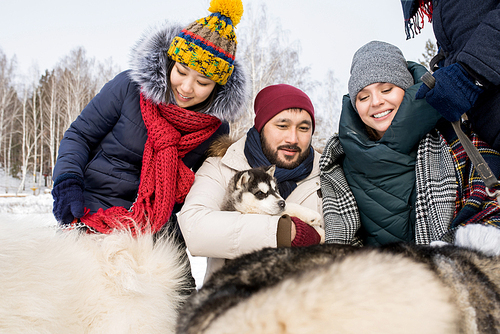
<point>306,234</point>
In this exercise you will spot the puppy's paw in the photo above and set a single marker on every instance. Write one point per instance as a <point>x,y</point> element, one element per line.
<point>307,215</point>
<point>311,217</point>
<point>314,219</point>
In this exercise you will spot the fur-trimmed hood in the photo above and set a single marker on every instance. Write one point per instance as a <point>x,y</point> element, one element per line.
<point>149,63</point>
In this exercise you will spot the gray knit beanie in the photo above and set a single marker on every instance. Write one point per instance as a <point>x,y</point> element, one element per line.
<point>378,62</point>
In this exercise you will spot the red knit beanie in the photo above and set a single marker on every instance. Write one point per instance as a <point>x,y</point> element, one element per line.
<point>274,99</point>
<point>306,234</point>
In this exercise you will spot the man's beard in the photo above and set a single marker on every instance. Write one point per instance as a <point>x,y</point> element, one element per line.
<point>287,162</point>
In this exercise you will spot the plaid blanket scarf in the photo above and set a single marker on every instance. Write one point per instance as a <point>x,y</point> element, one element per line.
<point>450,193</point>
<point>472,204</point>
<point>340,212</point>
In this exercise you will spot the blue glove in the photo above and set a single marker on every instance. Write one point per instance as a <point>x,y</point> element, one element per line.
<point>68,200</point>
<point>454,94</point>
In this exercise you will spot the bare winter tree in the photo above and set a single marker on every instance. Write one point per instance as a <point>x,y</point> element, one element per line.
<point>76,83</point>
<point>7,99</point>
<point>27,140</point>
<point>105,71</point>
<point>49,106</point>
<point>9,107</point>
<point>327,110</point>
<point>34,114</point>
<point>30,129</point>
<point>8,147</point>
<point>430,51</point>
<point>41,141</point>
<point>270,59</point>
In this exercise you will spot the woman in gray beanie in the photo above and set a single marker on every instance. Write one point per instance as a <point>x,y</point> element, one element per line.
<point>394,170</point>
<point>378,67</point>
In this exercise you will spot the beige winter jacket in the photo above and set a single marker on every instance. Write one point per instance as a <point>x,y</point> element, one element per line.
<point>220,235</point>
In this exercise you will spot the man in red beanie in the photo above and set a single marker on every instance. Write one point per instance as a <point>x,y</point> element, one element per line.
<point>281,136</point>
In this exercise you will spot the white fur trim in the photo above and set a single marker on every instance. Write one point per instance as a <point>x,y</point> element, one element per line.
<point>484,238</point>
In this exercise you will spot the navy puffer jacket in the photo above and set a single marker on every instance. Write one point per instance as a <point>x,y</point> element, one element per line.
<point>468,32</point>
<point>105,144</point>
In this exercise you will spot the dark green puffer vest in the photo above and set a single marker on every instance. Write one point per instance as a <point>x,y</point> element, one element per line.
<point>381,173</point>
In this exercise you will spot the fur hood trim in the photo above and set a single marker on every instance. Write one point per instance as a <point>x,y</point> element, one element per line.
<point>219,146</point>
<point>149,63</point>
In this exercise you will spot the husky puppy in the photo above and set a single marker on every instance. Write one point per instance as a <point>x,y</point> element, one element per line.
<point>256,191</point>
<point>400,288</point>
<point>54,281</point>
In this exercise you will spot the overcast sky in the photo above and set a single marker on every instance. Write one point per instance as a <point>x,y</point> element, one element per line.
<point>330,31</point>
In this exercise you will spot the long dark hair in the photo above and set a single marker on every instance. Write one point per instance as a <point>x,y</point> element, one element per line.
<point>200,107</point>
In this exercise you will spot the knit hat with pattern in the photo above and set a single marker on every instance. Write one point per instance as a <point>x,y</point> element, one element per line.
<point>378,62</point>
<point>208,45</point>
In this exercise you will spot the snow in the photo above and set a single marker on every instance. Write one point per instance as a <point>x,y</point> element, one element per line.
<point>36,207</point>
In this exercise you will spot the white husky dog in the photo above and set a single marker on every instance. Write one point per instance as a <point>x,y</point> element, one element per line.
<point>54,281</point>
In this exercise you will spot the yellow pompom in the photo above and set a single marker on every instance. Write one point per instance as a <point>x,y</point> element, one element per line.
<point>230,8</point>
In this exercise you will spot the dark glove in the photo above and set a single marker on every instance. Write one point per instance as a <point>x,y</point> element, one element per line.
<point>68,200</point>
<point>306,234</point>
<point>454,94</point>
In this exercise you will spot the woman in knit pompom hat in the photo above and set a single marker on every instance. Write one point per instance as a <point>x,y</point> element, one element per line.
<point>129,159</point>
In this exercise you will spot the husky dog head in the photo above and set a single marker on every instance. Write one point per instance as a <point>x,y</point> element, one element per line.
<point>254,191</point>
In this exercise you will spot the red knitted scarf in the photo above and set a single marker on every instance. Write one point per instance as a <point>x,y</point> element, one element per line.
<point>165,179</point>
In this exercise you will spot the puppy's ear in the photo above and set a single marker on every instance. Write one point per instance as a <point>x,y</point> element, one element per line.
<point>244,178</point>
<point>270,170</point>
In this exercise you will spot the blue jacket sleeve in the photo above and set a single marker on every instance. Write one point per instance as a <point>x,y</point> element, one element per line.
<point>482,51</point>
<point>91,126</point>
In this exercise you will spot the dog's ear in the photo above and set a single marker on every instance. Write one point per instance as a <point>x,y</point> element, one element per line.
<point>270,170</point>
<point>244,178</point>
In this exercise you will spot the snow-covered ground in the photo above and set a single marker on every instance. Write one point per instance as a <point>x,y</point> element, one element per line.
<point>37,209</point>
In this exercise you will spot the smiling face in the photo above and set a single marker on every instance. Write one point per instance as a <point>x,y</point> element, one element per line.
<point>286,138</point>
<point>189,86</point>
<point>377,104</point>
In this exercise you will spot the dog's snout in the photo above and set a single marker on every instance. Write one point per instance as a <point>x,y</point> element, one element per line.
<point>282,204</point>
